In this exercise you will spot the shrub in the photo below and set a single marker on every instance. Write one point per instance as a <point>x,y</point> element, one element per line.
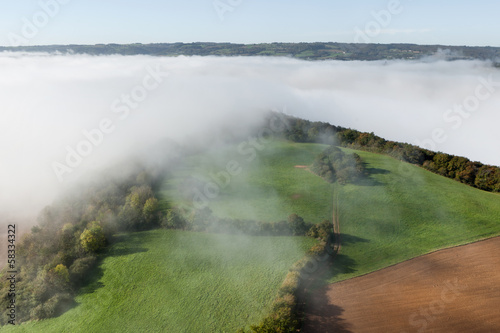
<point>316,250</point>
<point>321,230</point>
<point>290,284</point>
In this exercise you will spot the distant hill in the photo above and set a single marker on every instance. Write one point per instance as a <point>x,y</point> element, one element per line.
<point>309,51</point>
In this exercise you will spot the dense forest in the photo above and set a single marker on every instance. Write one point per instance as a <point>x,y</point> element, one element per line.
<point>309,51</point>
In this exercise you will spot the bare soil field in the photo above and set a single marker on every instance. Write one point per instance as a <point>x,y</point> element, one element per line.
<point>452,290</point>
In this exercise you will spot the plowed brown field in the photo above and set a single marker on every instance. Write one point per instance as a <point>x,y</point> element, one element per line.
<point>452,290</point>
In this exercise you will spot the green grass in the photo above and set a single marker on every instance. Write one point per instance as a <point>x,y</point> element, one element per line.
<point>403,211</point>
<point>269,188</point>
<point>175,281</point>
<point>398,212</point>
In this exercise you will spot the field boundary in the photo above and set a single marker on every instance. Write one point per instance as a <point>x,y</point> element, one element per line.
<point>419,256</point>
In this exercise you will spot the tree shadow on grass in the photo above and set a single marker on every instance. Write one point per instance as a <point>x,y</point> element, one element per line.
<point>368,180</point>
<point>320,314</point>
<point>121,245</point>
<point>341,264</point>
<point>92,280</point>
<point>376,171</point>
<point>338,263</point>
<point>64,305</point>
<point>124,245</point>
<point>346,239</point>
<point>125,251</point>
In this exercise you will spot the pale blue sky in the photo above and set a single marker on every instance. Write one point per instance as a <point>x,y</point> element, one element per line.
<point>456,22</point>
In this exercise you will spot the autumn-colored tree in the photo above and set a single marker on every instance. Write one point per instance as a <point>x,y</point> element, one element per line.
<point>92,239</point>
<point>487,178</point>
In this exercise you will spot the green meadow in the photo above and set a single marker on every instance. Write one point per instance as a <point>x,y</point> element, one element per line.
<point>268,188</point>
<point>401,211</point>
<point>179,281</point>
<point>176,281</point>
<point>397,212</point>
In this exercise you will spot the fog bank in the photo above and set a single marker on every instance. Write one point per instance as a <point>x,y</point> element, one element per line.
<point>64,116</point>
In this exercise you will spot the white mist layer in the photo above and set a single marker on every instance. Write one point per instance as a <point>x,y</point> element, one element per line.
<point>108,107</point>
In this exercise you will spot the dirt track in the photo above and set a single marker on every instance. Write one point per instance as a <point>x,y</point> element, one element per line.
<point>453,290</point>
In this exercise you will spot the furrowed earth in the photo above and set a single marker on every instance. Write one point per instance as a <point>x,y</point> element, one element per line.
<point>452,290</point>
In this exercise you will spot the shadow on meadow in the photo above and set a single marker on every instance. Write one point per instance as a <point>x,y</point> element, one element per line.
<point>368,180</point>
<point>121,245</point>
<point>320,314</point>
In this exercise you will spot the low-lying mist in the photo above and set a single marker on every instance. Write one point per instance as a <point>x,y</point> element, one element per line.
<point>64,117</point>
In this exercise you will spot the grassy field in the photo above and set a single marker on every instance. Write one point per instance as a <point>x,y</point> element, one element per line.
<point>269,188</point>
<point>174,281</point>
<point>399,211</point>
<point>402,211</point>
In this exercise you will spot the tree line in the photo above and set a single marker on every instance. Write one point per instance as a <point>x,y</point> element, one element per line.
<point>285,315</point>
<point>203,220</point>
<point>310,51</point>
<point>475,174</point>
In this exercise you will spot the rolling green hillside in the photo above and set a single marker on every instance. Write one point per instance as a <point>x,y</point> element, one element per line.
<point>397,212</point>
<point>268,188</point>
<point>402,211</point>
<point>175,281</point>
